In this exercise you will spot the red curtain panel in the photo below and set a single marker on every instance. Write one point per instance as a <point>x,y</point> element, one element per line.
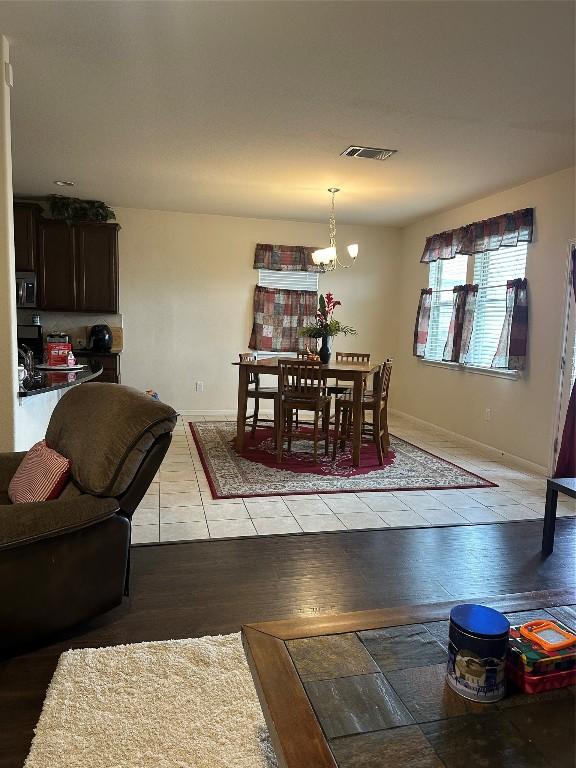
<point>566,464</point>
<point>512,346</point>
<point>422,322</point>
<point>461,324</point>
<point>278,316</point>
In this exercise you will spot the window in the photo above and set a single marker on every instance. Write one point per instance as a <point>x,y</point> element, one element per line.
<point>491,271</point>
<point>444,275</point>
<point>283,281</point>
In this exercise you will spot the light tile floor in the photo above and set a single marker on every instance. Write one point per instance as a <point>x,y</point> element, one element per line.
<point>179,506</point>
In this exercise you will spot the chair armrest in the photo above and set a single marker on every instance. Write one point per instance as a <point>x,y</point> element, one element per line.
<point>9,463</point>
<point>24,523</point>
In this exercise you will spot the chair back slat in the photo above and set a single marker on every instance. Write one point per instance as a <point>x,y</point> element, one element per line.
<point>300,379</point>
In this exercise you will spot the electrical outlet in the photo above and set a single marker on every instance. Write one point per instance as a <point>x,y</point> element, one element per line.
<point>487,414</point>
<point>199,386</point>
<point>80,343</point>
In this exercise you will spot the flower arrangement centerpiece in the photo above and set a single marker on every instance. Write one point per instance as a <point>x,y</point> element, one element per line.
<point>325,325</point>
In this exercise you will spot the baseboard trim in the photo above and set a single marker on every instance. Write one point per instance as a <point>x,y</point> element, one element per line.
<point>517,461</point>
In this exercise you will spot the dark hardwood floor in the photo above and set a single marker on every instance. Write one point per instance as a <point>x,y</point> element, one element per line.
<point>212,587</point>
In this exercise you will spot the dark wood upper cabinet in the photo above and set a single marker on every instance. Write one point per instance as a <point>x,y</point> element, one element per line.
<point>56,268</point>
<point>26,216</point>
<point>97,267</point>
<point>77,266</point>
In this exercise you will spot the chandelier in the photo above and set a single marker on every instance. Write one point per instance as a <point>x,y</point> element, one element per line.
<point>328,257</point>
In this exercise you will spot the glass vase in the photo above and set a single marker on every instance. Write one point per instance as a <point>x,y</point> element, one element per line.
<point>325,352</point>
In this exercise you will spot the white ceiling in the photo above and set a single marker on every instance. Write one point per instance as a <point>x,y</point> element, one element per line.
<point>243,108</point>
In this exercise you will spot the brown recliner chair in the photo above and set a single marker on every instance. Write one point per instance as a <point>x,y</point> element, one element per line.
<point>67,560</point>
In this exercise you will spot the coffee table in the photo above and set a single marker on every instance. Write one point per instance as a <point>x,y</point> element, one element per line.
<point>367,689</point>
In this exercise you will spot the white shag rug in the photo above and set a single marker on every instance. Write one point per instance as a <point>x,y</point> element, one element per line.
<point>174,704</point>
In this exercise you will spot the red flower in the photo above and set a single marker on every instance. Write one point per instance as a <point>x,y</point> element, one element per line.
<point>331,304</point>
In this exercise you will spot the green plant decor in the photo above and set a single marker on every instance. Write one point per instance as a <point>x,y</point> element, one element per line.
<point>74,209</point>
<point>325,324</point>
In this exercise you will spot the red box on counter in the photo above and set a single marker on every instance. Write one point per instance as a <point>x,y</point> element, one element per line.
<point>57,353</point>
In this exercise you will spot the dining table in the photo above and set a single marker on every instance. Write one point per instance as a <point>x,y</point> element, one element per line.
<point>357,373</point>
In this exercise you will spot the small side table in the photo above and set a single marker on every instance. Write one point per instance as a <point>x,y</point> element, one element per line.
<point>554,486</point>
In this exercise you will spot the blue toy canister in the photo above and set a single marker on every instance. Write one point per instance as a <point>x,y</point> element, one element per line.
<point>477,652</point>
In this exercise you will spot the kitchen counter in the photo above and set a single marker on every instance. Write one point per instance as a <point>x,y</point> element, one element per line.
<point>48,381</point>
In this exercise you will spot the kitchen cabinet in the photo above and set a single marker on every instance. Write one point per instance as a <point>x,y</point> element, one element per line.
<point>56,270</point>
<point>110,362</point>
<point>111,368</point>
<point>97,267</point>
<point>78,266</point>
<point>26,217</point>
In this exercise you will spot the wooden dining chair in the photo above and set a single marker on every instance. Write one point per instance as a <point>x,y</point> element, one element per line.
<point>352,357</point>
<point>301,355</point>
<point>257,392</point>
<point>341,387</point>
<point>301,387</point>
<point>377,403</point>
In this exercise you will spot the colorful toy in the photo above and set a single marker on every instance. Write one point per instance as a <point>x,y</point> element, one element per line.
<point>541,656</point>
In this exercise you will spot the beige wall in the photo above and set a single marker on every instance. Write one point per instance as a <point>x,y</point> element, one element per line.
<point>186,287</point>
<point>523,411</point>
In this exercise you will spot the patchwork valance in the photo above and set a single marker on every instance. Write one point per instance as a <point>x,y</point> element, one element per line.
<point>502,231</point>
<point>285,258</point>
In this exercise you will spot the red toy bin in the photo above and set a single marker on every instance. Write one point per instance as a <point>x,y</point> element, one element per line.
<point>528,683</point>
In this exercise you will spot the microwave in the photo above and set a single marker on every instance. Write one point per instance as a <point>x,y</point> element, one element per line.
<point>25,289</point>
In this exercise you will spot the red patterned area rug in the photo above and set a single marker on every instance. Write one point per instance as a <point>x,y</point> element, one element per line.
<point>255,471</point>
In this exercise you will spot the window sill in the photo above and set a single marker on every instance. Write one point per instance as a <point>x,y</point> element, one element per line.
<point>498,373</point>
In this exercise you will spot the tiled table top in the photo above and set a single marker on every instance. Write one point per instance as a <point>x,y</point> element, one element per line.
<point>380,699</point>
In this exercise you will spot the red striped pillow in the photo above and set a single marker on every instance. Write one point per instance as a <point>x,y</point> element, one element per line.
<point>41,476</point>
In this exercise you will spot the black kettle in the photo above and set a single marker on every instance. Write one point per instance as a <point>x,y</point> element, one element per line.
<point>100,338</point>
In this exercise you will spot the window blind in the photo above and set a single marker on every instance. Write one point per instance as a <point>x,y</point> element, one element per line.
<point>491,271</point>
<point>288,281</point>
<point>444,275</point>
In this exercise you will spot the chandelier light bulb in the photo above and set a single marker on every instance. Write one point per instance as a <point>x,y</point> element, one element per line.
<point>353,250</point>
<point>323,256</point>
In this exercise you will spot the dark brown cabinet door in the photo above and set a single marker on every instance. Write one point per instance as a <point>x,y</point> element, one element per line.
<point>110,367</point>
<point>97,267</point>
<point>26,235</point>
<point>56,268</point>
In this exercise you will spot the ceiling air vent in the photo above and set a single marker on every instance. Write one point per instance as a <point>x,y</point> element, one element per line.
<point>372,153</point>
